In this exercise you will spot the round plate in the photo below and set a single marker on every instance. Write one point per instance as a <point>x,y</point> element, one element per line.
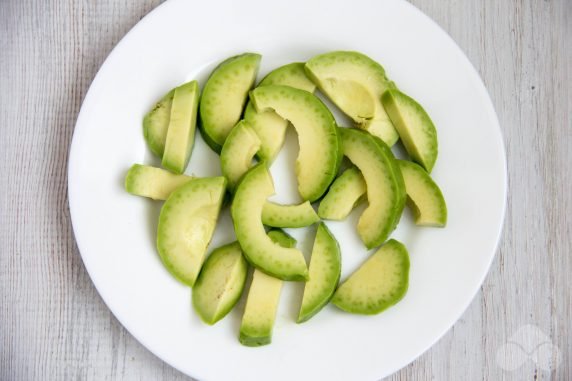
<point>115,231</point>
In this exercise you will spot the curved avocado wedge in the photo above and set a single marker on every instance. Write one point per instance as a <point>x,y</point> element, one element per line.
<point>246,210</point>
<point>354,82</point>
<point>224,97</point>
<point>155,183</point>
<point>318,159</point>
<point>289,216</point>
<point>344,194</point>
<point>237,152</point>
<point>423,195</point>
<point>325,269</point>
<point>414,126</point>
<point>270,127</point>
<point>292,74</point>
<point>220,283</point>
<point>186,226</point>
<point>262,302</point>
<point>378,284</point>
<point>181,132</point>
<point>156,123</point>
<point>384,185</point>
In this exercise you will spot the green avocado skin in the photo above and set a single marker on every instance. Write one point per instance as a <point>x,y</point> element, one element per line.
<point>256,340</point>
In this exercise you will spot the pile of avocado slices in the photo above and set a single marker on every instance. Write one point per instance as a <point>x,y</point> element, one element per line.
<point>246,125</point>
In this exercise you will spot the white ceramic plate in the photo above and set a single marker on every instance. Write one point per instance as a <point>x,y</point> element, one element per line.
<point>115,232</point>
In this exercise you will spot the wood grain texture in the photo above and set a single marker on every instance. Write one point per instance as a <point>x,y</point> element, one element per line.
<point>53,324</point>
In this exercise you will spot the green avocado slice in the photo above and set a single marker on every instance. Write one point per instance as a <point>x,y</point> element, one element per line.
<point>262,302</point>
<point>156,123</point>
<point>181,132</point>
<point>220,283</point>
<point>423,195</point>
<point>224,97</point>
<point>186,226</point>
<point>344,194</point>
<point>260,311</point>
<point>354,82</point>
<point>292,74</point>
<point>325,269</point>
<point>318,158</point>
<point>155,183</point>
<point>415,128</point>
<point>237,152</point>
<point>246,210</point>
<point>289,216</point>
<point>384,184</point>
<point>269,126</point>
<point>378,284</point>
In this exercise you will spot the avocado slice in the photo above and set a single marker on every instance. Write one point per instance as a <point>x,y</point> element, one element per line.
<point>415,128</point>
<point>220,283</point>
<point>325,269</point>
<point>354,82</point>
<point>156,123</point>
<point>224,97</point>
<point>318,160</point>
<point>289,216</point>
<point>384,184</point>
<point>260,311</point>
<point>423,195</point>
<point>155,183</point>
<point>262,302</point>
<point>270,127</point>
<point>186,225</point>
<point>344,194</point>
<point>246,210</point>
<point>237,152</point>
<point>181,131</point>
<point>379,283</point>
<point>292,74</point>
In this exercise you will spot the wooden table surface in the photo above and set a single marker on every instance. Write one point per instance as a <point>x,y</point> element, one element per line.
<point>54,325</point>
